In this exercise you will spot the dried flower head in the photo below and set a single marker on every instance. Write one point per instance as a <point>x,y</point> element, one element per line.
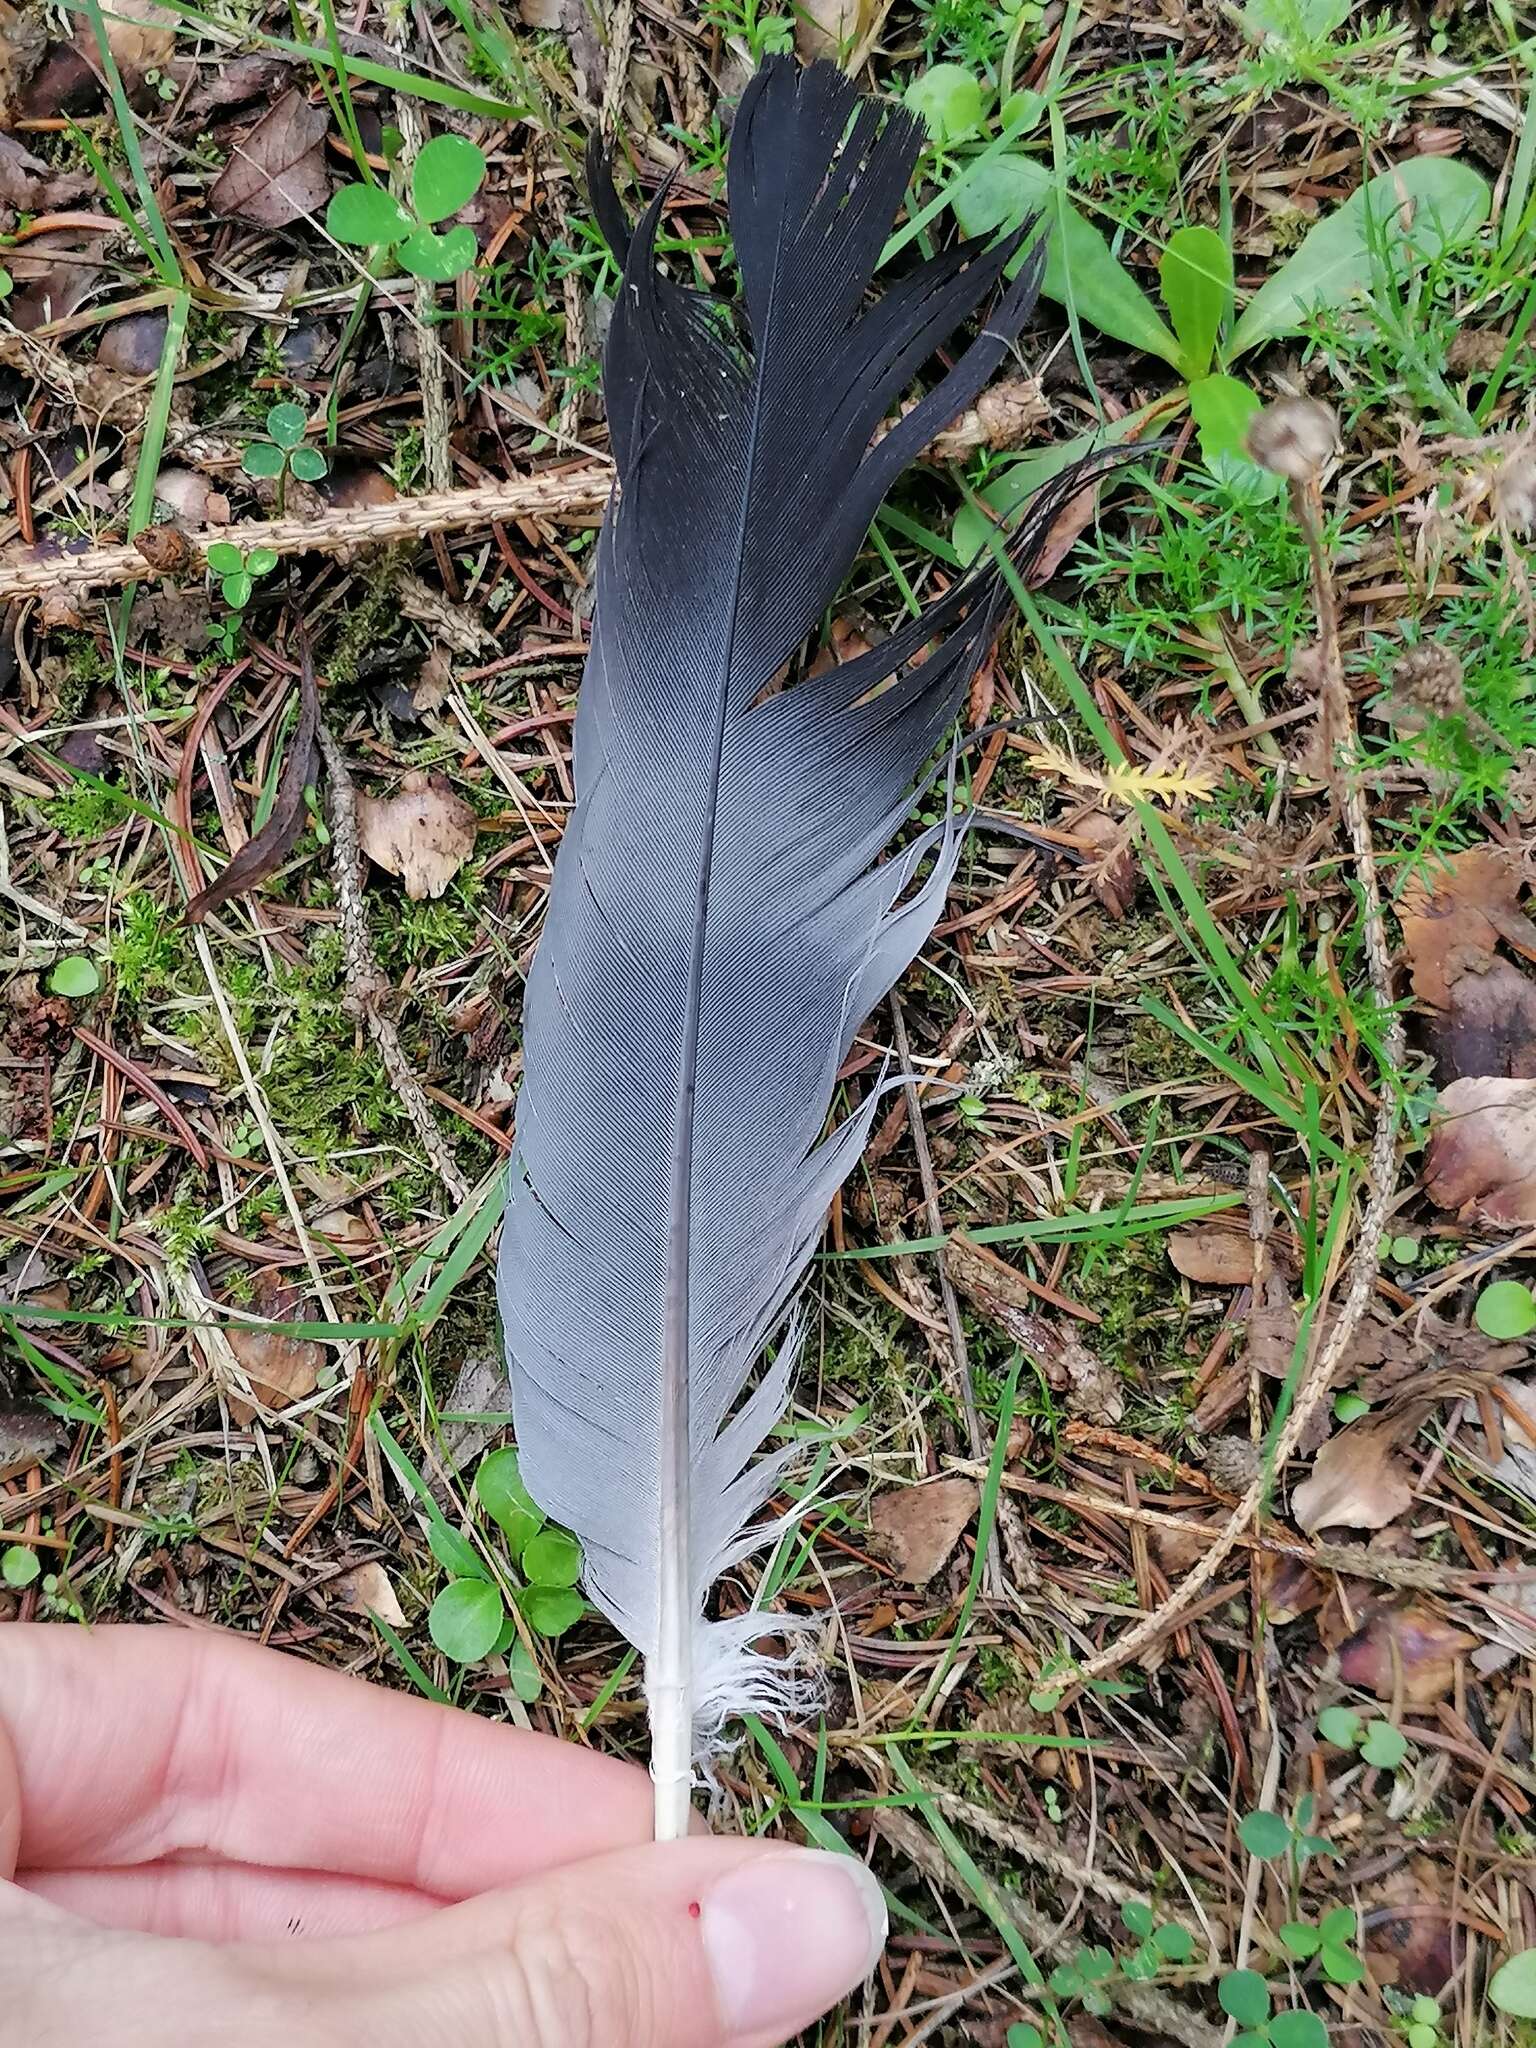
<point>1231,1463</point>
<point>1294,438</point>
<point>1430,678</point>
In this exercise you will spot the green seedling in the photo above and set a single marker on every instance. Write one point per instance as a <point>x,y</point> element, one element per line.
<point>471,1619</point>
<point>237,570</point>
<point>284,454</point>
<point>446,175</point>
<point>1390,228</point>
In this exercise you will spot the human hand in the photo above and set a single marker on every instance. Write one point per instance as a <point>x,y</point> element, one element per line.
<point>176,1807</point>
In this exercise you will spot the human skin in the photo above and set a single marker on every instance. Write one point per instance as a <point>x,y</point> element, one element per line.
<point>205,1843</point>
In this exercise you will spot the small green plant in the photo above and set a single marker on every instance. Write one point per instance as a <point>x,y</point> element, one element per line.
<point>754,26</point>
<point>1330,1941</point>
<point>469,1620</point>
<point>1378,1742</point>
<point>1421,2023</point>
<point>285,454</point>
<point>237,570</point>
<point>446,175</point>
<point>1505,1311</point>
<point>1244,1996</point>
<point>1270,1836</point>
<point>1362,244</point>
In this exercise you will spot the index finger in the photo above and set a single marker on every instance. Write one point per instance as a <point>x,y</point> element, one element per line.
<point>138,1744</point>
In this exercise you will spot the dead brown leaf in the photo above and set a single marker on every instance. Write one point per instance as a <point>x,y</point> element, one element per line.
<point>281,1369</point>
<point>1481,1160</point>
<point>141,34</point>
<point>423,833</point>
<point>830,28</point>
<point>23,39</point>
<point>277,173</point>
<point>367,1589</point>
<point>1483,1008</point>
<point>917,1527</point>
<point>1410,1640</point>
<point>1358,1481</point>
<point>1212,1254</point>
<point>1456,911</point>
<point>1113,874</point>
<point>434,682</point>
<point>32,186</point>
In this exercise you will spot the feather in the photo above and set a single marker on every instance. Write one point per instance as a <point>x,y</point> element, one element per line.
<point>721,919</point>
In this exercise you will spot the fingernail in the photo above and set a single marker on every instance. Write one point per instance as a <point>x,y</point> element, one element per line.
<point>788,1935</point>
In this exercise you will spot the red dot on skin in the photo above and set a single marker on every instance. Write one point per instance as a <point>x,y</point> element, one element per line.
<point>693,1909</point>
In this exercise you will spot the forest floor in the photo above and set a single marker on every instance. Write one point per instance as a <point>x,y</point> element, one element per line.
<point>1169,1433</point>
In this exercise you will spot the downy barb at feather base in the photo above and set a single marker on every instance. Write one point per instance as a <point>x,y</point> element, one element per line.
<point>721,918</point>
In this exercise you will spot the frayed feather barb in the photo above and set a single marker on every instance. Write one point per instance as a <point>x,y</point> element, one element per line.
<point>721,919</point>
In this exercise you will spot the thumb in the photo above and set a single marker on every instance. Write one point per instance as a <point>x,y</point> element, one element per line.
<point>705,1943</point>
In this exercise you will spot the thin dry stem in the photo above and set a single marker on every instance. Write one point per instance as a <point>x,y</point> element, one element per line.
<point>562,493</point>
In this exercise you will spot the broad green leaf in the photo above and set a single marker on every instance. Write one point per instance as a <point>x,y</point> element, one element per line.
<point>1384,1746</point>
<point>1021,479</point>
<point>261,561</point>
<point>1505,1311</point>
<point>523,1672</point>
<point>1080,270</point>
<point>224,558</point>
<point>307,464</point>
<point>1513,1989</point>
<point>1424,2034</point>
<point>551,1610</point>
<point>1301,1938</point>
<point>1341,1726</point>
<point>1223,409</point>
<point>286,424</point>
<point>949,98</point>
<point>1304,22</point>
<point>1264,1835</point>
<point>75,977</point>
<point>1177,1944</point>
<point>1022,2035</point>
<point>1244,1996</point>
<point>363,216</point>
<point>1340,1965</point>
<point>500,1491</point>
<point>445,176</point>
<point>1448,202</point>
<point>1338,1924</point>
<point>465,1620</point>
<point>1196,274</point>
<point>1297,2030</point>
<point>237,590</point>
<point>1137,1917</point>
<point>454,1552</point>
<point>552,1558</point>
<point>262,458</point>
<point>1021,111</point>
<point>438,258</point>
<point>18,1566</point>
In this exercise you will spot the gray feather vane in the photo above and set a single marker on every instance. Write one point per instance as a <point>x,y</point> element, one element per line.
<point>723,915</point>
